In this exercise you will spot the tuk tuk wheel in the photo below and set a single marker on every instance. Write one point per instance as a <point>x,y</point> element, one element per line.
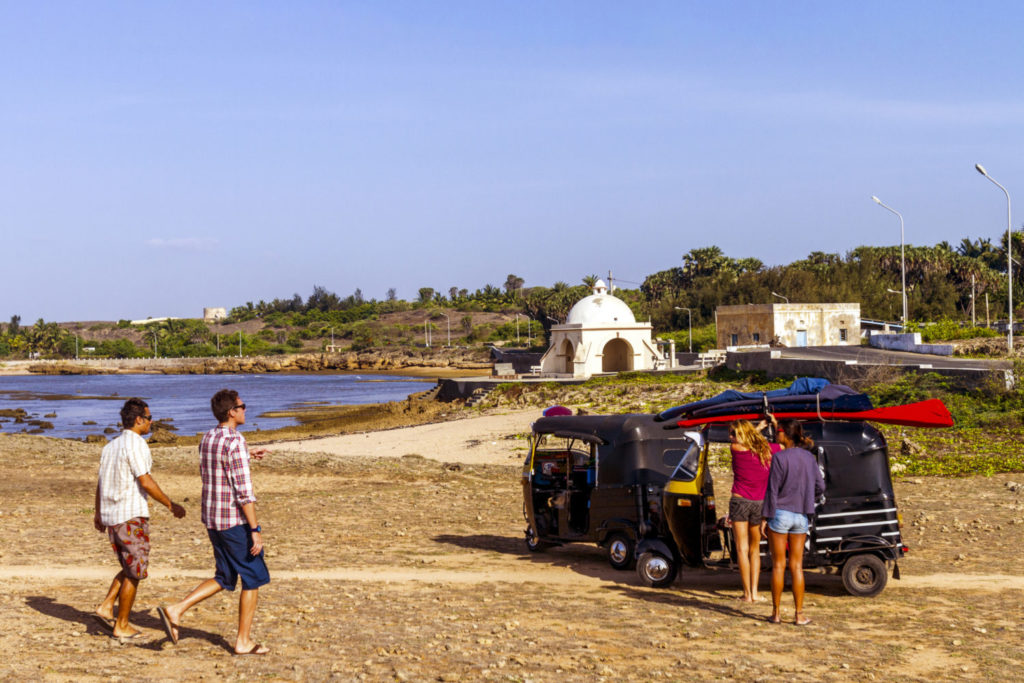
<point>533,542</point>
<point>865,575</point>
<point>656,570</point>
<point>620,551</point>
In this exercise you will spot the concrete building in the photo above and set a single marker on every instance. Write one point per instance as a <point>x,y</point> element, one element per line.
<point>214,314</point>
<point>789,325</point>
<point>600,335</point>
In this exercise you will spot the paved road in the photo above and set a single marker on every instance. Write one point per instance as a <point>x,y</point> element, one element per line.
<point>872,356</point>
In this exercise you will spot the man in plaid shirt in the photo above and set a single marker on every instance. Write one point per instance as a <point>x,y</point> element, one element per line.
<point>229,514</point>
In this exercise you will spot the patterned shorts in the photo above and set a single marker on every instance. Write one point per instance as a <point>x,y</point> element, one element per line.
<point>745,510</point>
<point>130,540</point>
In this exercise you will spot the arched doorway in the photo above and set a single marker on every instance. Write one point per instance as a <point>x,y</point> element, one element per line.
<point>568,354</point>
<point>617,356</point>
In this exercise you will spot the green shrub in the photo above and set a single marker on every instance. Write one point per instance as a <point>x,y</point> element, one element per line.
<point>948,330</point>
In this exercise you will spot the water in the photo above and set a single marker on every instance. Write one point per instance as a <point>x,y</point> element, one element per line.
<point>185,398</point>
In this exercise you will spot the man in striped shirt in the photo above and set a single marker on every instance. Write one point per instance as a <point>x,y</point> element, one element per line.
<point>122,511</point>
<point>229,514</point>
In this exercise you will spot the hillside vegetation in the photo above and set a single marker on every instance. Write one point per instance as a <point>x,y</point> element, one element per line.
<point>943,286</point>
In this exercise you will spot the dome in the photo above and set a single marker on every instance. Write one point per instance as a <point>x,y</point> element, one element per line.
<point>600,309</point>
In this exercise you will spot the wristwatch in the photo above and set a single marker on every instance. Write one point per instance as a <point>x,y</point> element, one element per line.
<point>258,529</point>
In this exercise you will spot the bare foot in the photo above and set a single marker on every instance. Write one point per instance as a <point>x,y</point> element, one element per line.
<point>775,619</point>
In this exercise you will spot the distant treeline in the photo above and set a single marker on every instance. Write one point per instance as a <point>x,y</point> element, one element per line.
<point>943,283</point>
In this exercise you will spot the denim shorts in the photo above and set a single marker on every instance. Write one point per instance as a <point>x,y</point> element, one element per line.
<point>233,560</point>
<point>786,522</point>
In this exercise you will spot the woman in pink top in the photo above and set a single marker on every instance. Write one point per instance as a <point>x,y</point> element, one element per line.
<point>751,458</point>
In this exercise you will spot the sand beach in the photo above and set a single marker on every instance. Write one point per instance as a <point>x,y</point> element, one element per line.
<point>398,555</point>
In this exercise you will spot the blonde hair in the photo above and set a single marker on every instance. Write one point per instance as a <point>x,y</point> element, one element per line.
<point>753,440</point>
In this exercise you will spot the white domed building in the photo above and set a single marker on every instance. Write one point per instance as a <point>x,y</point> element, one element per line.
<point>600,335</point>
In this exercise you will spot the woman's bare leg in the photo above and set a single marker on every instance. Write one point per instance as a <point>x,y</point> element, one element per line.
<point>777,542</point>
<point>755,559</point>
<point>796,572</point>
<point>740,535</point>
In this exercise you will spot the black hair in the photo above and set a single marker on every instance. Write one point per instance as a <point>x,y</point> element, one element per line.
<point>132,409</point>
<point>794,432</point>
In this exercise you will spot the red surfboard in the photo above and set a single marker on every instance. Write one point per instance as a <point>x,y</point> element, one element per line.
<point>930,413</point>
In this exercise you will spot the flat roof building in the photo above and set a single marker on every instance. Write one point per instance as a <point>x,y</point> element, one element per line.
<point>789,325</point>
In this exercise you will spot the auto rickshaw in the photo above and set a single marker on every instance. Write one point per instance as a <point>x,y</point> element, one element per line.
<point>604,479</point>
<point>640,486</point>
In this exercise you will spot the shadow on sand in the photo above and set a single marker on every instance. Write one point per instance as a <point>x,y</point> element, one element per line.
<point>589,560</point>
<point>57,610</point>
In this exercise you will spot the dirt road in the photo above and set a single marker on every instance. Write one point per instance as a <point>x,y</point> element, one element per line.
<point>414,568</point>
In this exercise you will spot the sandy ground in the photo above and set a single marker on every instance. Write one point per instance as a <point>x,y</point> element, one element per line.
<point>399,555</point>
<point>496,439</point>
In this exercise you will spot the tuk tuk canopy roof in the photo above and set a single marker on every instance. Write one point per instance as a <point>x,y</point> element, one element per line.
<point>608,429</point>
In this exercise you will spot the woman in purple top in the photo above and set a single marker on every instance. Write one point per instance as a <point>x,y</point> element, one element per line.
<point>794,482</point>
<point>751,456</point>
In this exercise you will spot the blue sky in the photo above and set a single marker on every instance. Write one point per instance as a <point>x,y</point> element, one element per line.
<point>162,157</point>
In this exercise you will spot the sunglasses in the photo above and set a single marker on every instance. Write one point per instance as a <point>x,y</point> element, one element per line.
<point>240,406</point>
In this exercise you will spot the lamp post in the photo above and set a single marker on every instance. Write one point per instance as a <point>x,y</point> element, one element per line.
<point>517,329</point>
<point>781,297</point>
<point>903,260</point>
<point>426,332</point>
<point>239,343</point>
<point>689,324</point>
<point>449,321</point>
<point>1009,259</point>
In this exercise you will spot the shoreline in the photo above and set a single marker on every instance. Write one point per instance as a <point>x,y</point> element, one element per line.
<point>247,365</point>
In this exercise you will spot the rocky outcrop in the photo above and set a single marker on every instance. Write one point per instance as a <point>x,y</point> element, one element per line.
<point>63,369</point>
<point>368,361</point>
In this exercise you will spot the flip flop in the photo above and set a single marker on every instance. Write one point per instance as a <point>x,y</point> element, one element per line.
<point>776,620</point>
<point>169,625</point>
<point>802,622</point>
<point>254,650</point>
<point>107,624</point>
<point>125,639</point>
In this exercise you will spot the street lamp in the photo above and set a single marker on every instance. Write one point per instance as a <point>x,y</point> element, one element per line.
<point>781,297</point>
<point>903,260</point>
<point>689,324</point>
<point>1009,258</point>
<point>449,321</point>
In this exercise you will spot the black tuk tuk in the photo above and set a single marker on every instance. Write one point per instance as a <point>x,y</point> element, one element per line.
<point>603,479</point>
<point>641,488</point>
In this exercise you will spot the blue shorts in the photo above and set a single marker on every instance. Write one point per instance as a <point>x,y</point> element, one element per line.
<point>786,522</point>
<point>231,553</point>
